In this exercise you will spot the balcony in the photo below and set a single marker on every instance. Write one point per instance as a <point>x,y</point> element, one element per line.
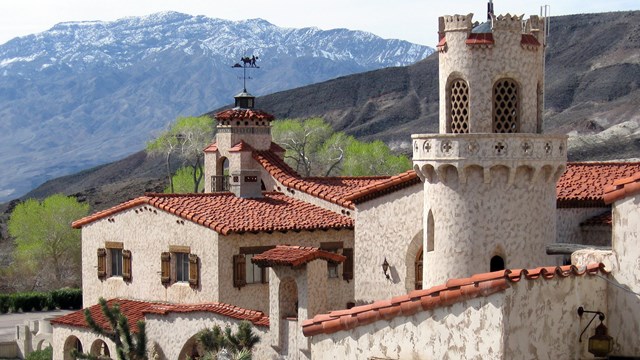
<point>219,183</point>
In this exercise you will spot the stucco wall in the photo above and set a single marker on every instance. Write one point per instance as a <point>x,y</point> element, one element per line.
<point>387,227</point>
<point>624,306</point>
<point>61,333</point>
<point>468,330</point>
<point>568,224</point>
<point>147,232</point>
<point>171,332</point>
<point>256,296</point>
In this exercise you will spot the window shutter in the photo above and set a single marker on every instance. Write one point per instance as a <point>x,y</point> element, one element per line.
<point>165,276</point>
<point>102,263</point>
<point>126,265</point>
<point>347,266</point>
<point>239,271</point>
<point>193,270</point>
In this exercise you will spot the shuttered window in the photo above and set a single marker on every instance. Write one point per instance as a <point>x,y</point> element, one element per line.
<point>116,262</point>
<point>347,266</point>
<point>102,263</point>
<point>165,260</point>
<point>239,271</point>
<point>126,265</point>
<point>193,270</point>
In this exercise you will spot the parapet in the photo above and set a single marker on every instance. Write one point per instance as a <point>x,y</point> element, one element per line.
<point>455,23</point>
<point>507,22</point>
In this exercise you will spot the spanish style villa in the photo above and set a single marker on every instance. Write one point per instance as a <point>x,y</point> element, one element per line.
<point>446,261</point>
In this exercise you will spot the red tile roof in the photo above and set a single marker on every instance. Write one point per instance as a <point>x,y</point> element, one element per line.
<point>582,185</point>
<point>135,310</point>
<point>295,256</point>
<point>343,191</point>
<point>480,39</point>
<point>242,114</point>
<point>225,213</point>
<point>211,148</point>
<point>529,40</point>
<point>454,291</point>
<point>622,188</point>
<point>603,219</point>
<point>442,44</point>
<point>241,146</point>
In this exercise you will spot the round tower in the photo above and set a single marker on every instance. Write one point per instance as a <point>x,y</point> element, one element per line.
<point>490,174</point>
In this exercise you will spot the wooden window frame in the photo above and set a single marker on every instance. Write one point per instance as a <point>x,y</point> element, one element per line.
<point>102,263</point>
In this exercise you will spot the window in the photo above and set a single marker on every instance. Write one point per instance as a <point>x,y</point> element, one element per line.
<point>430,232</point>
<point>418,269</point>
<point>245,272</point>
<point>497,264</point>
<point>179,265</point>
<point>116,262</point>
<point>505,106</point>
<point>333,247</point>
<point>458,116</point>
<point>253,273</point>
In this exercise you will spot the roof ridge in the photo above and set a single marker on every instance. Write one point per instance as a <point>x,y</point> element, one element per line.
<point>453,291</point>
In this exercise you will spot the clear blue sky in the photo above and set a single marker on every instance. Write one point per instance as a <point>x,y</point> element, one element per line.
<point>412,20</point>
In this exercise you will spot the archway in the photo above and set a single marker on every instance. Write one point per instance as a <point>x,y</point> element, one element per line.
<point>418,271</point>
<point>414,252</point>
<point>220,182</point>
<point>71,343</point>
<point>191,349</point>
<point>100,348</point>
<point>288,298</point>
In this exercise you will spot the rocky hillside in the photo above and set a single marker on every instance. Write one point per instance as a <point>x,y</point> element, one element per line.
<point>86,93</point>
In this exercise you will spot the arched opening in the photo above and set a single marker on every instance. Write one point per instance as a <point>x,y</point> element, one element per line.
<point>418,269</point>
<point>100,348</point>
<point>70,344</point>
<point>506,102</point>
<point>414,253</point>
<point>458,107</point>
<point>496,264</point>
<point>220,181</point>
<point>288,298</point>
<point>191,349</point>
<point>430,230</point>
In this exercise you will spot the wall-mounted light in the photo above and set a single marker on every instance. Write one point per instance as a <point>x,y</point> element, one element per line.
<point>601,343</point>
<point>385,268</point>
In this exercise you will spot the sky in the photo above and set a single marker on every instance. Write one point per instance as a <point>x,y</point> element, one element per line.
<point>412,20</point>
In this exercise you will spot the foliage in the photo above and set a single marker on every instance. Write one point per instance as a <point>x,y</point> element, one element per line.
<point>128,346</point>
<point>44,354</point>
<point>314,149</point>
<point>36,301</point>
<point>183,181</point>
<point>186,138</point>
<point>239,345</point>
<point>5,303</point>
<point>31,301</point>
<point>67,298</point>
<point>46,245</point>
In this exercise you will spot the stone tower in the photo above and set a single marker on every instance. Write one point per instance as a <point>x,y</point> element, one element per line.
<point>490,174</point>
<point>228,162</point>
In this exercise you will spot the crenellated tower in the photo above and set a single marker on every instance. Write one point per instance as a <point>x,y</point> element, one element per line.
<point>228,162</point>
<point>490,174</point>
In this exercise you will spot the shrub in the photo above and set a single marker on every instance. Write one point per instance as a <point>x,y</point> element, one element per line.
<point>67,298</point>
<point>45,354</point>
<point>30,301</point>
<point>5,302</point>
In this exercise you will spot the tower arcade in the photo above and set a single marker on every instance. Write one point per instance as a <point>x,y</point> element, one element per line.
<point>490,174</point>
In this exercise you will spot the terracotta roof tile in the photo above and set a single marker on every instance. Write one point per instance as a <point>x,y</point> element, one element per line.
<point>454,291</point>
<point>343,191</point>
<point>211,148</point>
<point>442,44</point>
<point>480,39</point>
<point>241,146</point>
<point>225,213</point>
<point>243,114</point>
<point>135,310</point>
<point>529,40</point>
<point>621,188</point>
<point>295,256</point>
<point>582,184</point>
<point>603,219</point>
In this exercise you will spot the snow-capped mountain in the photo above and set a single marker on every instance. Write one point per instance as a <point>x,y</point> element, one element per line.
<point>84,93</point>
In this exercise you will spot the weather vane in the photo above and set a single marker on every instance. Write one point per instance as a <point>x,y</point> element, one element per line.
<point>247,62</point>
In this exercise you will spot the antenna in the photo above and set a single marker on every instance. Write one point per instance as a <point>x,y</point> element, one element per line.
<point>490,10</point>
<point>247,62</point>
<point>545,13</point>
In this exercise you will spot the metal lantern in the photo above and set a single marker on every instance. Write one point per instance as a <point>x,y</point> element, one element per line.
<point>601,343</point>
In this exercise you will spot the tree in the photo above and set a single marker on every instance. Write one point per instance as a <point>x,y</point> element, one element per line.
<point>303,141</point>
<point>214,342</point>
<point>373,158</point>
<point>183,181</point>
<point>45,242</point>
<point>187,137</point>
<point>128,346</point>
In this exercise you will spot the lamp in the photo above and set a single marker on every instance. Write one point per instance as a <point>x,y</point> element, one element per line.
<point>385,268</point>
<point>601,343</point>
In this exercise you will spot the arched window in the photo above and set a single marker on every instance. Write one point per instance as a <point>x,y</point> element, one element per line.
<point>506,106</point>
<point>458,116</point>
<point>418,269</point>
<point>497,263</point>
<point>430,232</point>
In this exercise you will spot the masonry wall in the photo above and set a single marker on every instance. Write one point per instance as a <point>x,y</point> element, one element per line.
<point>147,232</point>
<point>388,227</point>
<point>623,318</point>
<point>63,334</point>
<point>256,296</point>
<point>568,225</point>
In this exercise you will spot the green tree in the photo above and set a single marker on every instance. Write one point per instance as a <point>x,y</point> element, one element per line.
<point>303,141</point>
<point>187,137</point>
<point>183,181</point>
<point>45,242</point>
<point>129,346</point>
<point>373,158</point>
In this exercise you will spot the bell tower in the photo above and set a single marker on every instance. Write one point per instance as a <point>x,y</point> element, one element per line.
<point>490,174</point>
<point>241,130</point>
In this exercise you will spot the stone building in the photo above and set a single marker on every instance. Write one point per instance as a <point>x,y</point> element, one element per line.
<point>448,260</point>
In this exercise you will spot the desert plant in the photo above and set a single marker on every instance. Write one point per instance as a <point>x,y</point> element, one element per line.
<point>44,354</point>
<point>228,345</point>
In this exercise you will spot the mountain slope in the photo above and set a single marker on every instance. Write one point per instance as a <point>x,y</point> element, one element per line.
<point>85,93</point>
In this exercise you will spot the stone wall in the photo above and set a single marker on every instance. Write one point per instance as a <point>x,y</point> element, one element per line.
<point>147,232</point>
<point>388,227</point>
<point>63,341</point>
<point>568,225</point>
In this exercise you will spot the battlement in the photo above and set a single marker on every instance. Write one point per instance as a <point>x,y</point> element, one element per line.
<point>455,23</point>
<point>507,22</point>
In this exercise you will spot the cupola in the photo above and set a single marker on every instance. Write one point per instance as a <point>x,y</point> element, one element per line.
<point>244,100</point>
